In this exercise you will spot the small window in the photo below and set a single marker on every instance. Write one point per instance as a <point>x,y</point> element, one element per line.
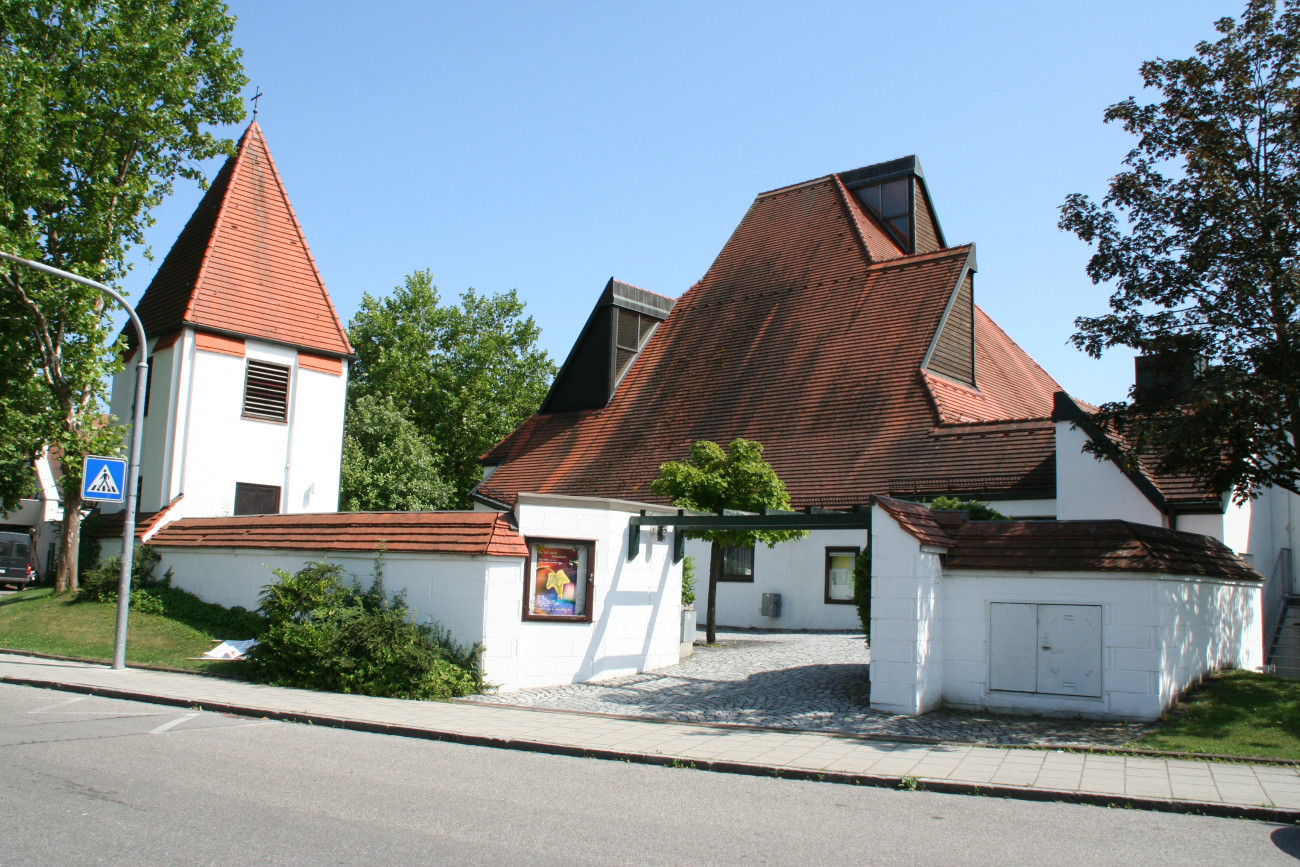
<point>558,581</point>
<point>148,386</point>
<point>266,391</point>
<point>737,563</point>
<point>253,499</point>
<point>631,330</point>
<point>839,575</point>
<point>890,203</point>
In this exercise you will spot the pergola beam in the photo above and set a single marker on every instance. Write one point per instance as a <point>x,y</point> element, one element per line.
<point>730,519</point>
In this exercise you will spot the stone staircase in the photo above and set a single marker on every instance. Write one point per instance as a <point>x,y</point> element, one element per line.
<point>1284,649</point>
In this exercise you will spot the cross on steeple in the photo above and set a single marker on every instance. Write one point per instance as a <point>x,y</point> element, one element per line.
<point>253,99</point>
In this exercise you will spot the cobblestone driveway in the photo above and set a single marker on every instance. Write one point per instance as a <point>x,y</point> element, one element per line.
<point>806,681</point>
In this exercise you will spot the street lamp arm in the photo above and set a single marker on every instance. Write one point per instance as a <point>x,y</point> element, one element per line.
<point>133,463</point>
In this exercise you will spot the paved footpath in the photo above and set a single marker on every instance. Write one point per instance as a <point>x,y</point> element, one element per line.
<point>1216,788</point>
<point>804,681</point>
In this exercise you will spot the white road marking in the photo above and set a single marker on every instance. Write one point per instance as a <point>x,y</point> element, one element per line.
<point>167,725</point>
<point>58,704</point>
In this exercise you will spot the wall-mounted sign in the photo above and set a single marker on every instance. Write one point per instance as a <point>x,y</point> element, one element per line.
<point>559,579</point>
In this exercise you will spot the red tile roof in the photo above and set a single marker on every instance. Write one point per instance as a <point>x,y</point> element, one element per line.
<point>1094,546</point>
<point>800,337</point>
<point>241,265</point>
<point>918,521</point>
<point>1067,546</point>
<point>112,524</point>
<point>466,533</point>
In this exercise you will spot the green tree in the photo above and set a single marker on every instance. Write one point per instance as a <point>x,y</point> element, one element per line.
<point>388,464</point>
<point>711,480</point>
<point>466,375</point>
<point>103,105</point>
<point>1198,238</point>
<point>23,427</point>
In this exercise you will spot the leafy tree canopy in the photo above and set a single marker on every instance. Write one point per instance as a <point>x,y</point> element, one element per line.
<point>464,375</point>
<point>388,463</point>
<point>103,104</point>
<point>712,479</point>
<point>1198,237</point>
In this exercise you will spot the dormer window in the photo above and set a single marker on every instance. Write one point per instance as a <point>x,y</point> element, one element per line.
<point>632,330</point>
<point>891,203</point>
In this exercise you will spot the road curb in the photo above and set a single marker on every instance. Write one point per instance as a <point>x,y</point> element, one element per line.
<point>1162,805</point>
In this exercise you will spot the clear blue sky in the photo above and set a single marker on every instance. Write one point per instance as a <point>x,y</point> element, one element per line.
<point>546,147</point>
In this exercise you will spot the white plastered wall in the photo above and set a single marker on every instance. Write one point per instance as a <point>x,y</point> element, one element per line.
<point>636,604</point>
<point>216,447</point>
<point>1089,489</point>
<point>796,570</point>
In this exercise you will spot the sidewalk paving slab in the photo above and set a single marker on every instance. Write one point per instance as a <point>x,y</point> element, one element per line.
<point>1254,791</point>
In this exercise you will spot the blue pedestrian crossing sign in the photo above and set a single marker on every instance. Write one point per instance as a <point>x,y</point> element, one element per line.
<point>103,479</point>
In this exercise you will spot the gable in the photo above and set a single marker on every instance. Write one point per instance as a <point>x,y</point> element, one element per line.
<point>610,342</point>
<point>953,352</point>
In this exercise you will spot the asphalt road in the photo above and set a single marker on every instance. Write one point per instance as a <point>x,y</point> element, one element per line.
<point>88,780</point>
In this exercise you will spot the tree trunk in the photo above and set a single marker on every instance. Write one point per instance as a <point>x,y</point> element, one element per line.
<point>711,612</point>
<point>65,578</point>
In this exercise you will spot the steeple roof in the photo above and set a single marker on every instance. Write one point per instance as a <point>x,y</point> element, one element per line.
<point>241,264</point>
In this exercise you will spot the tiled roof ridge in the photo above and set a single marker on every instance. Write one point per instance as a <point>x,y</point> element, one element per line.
<point>216,226</point>
<point>790,188</point>
<point>302,239</point>
<point>847,204</point>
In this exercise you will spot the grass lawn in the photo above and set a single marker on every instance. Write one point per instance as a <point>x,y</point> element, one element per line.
<point>38,620</point>
<point>1235,713</point>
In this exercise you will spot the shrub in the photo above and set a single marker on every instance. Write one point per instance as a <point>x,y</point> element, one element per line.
<point>862,588</point>
<point>324,635</point>
<point>688,581</point>
<point>100,584</point>
<point>974,509</point>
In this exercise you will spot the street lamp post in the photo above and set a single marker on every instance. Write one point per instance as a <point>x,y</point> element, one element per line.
<point>133,456</point>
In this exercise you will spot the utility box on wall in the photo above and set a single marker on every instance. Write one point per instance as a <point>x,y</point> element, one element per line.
<point>1045,648</point>
<point>771,605</point>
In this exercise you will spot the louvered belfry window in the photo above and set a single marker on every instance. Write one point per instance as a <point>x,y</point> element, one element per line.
<point>266,391</point>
